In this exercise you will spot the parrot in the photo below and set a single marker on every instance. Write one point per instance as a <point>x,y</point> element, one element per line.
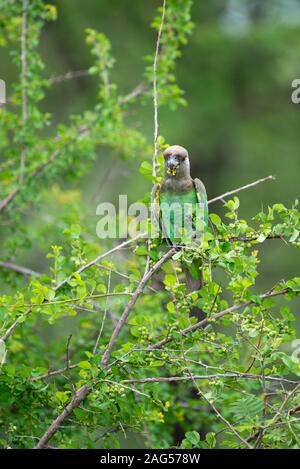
<point>169,201</point>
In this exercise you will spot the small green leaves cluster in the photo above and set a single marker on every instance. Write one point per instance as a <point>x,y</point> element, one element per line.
<point>176,30</point>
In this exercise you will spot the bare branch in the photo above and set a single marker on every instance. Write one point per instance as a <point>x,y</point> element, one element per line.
<point>23,83</point>
<point>50,374</point>
<point>137,91</point>
<point>277,416</point>
<point>219,315</point>
<point>68,351</point>
<point>104,316</point>
<point>155,99</point>
<point>229,374</point>
<point>80,395</point>
<point>122,321</point>
<point>166,379</point>
<point>20,269</point>
<point>8,199</point>
<point>239,189</point>
<point>68,76</point>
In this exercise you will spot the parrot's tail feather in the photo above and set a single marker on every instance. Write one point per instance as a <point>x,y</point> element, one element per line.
<point>193,284</point>
<point>197,313</point>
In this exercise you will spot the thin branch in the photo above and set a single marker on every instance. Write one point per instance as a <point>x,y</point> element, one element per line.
<point>137,91</point>
<point>229,374</point>
<point>8,199</point>
<point>288,397</point>
<point>50,374</point>
<point>68,351</point>
<point>277,417</point>
<point>224,420</point>
<point>155,113</point>
<point>104,316</point>
<point>239,189</point>
<point>80,395</point>
<point>122,321</point>
<point>121,274</point>
<point>68,76</point>
<point>73,300</point>
<point>122,384</point>
<point>166,379</point>
<point>24,83</point>
<point>212,405</point>
<point>219,315</point>
<point>155,99</point>
<point>20,269</point>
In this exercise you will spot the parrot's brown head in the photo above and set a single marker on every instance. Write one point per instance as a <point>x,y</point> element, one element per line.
<point>176,161</point>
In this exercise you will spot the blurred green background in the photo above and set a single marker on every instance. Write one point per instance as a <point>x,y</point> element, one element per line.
<point>240,124</point>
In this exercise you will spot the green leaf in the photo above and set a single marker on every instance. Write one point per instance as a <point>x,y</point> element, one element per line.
<point>146,168</point>
<point>291,362</point>
<point>210,439</point>
<point>171,307</point>
<point>294,236</point>
<point>287,313</point>
<point>294,284</point>
<point>170,280</point>
<point>216,220</point>
<point>193,437</point>
<point>85,365</point>
<point>101,288</point>
<point>262,237</point>
<point>247,408</point>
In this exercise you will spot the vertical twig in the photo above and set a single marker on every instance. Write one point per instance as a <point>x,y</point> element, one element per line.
<point>155,109</point>
<point>68,351</point>
<point>155,99</point>
<point>104,316</point>
<point>23,84</point>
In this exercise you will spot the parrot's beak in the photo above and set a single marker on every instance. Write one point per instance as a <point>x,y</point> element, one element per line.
<point>172,171</point>
<point>172,168</point>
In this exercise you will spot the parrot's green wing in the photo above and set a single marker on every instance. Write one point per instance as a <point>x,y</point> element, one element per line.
<point>156,218</point>
<point>202,197</point>
<point>155,211</point>
<point>155,204</point>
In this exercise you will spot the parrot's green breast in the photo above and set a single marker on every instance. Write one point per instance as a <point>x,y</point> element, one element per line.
<point>181,197</point>
<point>177,211</point>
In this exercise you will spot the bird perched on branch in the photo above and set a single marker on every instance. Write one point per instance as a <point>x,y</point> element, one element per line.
<point>179,206</point>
